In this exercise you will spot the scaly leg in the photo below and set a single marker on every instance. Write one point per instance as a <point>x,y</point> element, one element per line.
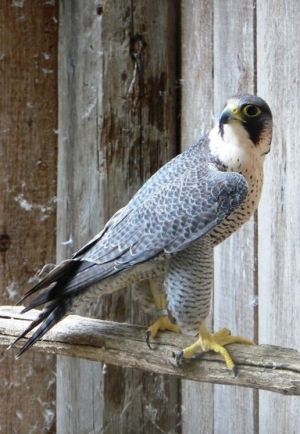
<point>162,322</point>
<point>213,341</point>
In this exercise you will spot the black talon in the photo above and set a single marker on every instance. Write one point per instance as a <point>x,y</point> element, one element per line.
<point>234,371</point>
<point>148,334</point>
<point>179,359</point>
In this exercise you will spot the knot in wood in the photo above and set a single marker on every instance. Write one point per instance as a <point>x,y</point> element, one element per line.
<point>5,242</point>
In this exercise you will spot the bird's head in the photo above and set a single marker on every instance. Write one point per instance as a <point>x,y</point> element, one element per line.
<point>251,113</point>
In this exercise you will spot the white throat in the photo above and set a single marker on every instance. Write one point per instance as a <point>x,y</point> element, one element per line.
<point>234,149</point>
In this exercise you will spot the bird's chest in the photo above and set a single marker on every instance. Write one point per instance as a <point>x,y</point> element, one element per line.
<point>252,170</point>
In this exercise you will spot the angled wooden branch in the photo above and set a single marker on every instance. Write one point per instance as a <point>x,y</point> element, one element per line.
<point>261,367</point>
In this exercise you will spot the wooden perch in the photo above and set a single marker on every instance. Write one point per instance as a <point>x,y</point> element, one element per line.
<point>261,367</point>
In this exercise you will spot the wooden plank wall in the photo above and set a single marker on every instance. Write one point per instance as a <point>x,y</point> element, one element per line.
<point>110,142</point>
<point>235,259</point>
<point>28,158</point>
<point>196,118</point>
<point>278,73</point>
<point>255,49</point>
<point>114,133</point>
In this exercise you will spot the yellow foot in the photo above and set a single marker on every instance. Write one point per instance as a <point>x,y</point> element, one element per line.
<point>213,341</point>
<point>162,323</point>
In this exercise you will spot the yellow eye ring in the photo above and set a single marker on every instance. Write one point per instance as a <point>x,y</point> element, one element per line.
<point>251,111</point>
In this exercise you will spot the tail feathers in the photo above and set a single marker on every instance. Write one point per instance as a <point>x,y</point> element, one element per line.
<point>49,316</point>
<point>56,285</point>
<point>67,279</point>
<point>63,287</point>
<point>45,297</point>
<point>64,270</point>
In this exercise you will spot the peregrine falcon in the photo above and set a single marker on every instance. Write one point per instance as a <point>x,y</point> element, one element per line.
<point>170,228</point>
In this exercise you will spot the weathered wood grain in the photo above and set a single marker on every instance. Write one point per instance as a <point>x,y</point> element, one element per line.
<point>79,88</point>
<point>261,367</point>
<point>116,129</point>
<point>27,142</point>
<point>196,119</point>
<point>235,289</point>
<point>28,159</point>
<point>278,69</point>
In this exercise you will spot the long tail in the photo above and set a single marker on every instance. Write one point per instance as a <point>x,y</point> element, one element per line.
<point>64,285</point>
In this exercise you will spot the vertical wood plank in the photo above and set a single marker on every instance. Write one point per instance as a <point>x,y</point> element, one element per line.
<point>196,70</point>
<point>113,135</point>
<point>235,286</point>
<point>28,119</point>
<point>279,298</point>
<point>196,119</point>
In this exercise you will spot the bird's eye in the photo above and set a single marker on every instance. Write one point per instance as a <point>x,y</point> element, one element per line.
<point>251,110</point>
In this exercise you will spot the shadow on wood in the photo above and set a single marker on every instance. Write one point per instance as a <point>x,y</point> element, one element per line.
<point>261,367</point>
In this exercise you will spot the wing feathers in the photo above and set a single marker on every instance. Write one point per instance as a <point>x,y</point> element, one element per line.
<point>170,212</point>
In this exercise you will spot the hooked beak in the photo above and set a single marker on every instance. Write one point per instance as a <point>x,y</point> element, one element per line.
<point>231,113</point>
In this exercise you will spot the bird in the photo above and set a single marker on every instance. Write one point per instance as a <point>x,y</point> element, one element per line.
<point>169,230</point>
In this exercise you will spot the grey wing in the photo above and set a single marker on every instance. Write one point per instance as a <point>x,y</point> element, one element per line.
<point>165,221</point>
<point>163,177</point>
<point>171,218</point>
